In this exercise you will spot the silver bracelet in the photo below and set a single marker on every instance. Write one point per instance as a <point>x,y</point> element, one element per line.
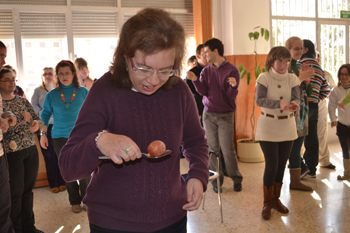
<point>99,135</point>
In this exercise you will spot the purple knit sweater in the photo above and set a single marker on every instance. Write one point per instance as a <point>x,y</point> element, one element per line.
<point>142,195</point>
<point>218,95</point>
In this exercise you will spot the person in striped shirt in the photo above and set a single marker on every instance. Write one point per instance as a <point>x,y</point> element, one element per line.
<point>320,91</point>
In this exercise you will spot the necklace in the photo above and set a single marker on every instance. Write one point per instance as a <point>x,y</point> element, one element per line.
<point>64,99</point>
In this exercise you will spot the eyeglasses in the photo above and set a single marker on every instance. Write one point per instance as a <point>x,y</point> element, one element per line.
<point>48,74</point>
<point>297,48</point>
<point>342,74</point>
<point>280,63</point>
<point>9,81</point>
<point>147,72</point>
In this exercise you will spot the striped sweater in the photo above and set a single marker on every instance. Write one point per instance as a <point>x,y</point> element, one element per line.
<point>320,86</point>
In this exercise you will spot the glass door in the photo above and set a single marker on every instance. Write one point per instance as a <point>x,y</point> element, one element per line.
<point>333,48</point>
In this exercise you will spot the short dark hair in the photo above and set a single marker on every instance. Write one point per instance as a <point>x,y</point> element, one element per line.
<point>310,48</point>
<point>4,71</point>
<point>215,44</point>
<point>150,31</point>
<point>347,66</point>
<point>70,64</point>
<point>199,49</point>
<point>275,53</point>
<point>2,45</point>
<point>191,59</point>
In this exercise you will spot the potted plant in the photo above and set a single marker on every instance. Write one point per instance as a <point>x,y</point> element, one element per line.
<point>248,149</point>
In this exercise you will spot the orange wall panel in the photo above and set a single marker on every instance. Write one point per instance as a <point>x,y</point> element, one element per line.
<point>245,97</point>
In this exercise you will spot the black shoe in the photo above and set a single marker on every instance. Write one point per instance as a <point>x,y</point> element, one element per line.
<point>237,187</point>
<point>216,189</point>
<point>38,231</point>
<point>304,171</point>
<point>330,166</point>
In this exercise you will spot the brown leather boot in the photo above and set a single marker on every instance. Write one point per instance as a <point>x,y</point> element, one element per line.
<point>295,182</point>
<point>266,212</point>
<point>276,203</point>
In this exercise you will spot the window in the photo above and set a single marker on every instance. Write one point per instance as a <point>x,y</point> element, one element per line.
<point>35,27</point>
<point>92,33</point>
<point>326,29</point>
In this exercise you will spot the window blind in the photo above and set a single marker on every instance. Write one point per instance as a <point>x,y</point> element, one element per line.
<point>172,4</point>
<point>35,2</point>
<point>94,24</point>
<point>6,26</point>
<point>52,25</point>
<point>186,20</point>
<point>94,3</point>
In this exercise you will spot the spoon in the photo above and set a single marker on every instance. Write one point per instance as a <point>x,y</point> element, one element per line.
<point>147,156</point>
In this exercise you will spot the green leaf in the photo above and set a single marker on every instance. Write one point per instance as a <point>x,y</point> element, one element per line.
<point>264,69</point>
<point>262,32</point>
<point>243,73</point>
<point>256,35</point>
<point>251,35</point>
<point>240,68</point>
<point>256,27</point>
<point>248,78</point>
<point>267,35</point>
<point>257,71</point>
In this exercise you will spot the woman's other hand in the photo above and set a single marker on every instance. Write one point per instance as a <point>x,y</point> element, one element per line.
<point>342,106</point>
<point>294,106</point>
<point>194,194</point>
<point>44,143</point>
<point>4,125</point>
<point>119,148</point>
<point>26,116</point>
<point>284,105</point>
<point>305,73</point>
<point>334,124</point>
<point>34,127</point>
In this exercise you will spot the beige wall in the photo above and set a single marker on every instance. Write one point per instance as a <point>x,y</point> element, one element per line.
<point>234,19</point>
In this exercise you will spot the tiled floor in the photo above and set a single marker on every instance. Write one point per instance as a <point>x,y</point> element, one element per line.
<point>324,210</point>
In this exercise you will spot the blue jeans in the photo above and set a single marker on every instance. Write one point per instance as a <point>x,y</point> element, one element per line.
<point>219,133</point>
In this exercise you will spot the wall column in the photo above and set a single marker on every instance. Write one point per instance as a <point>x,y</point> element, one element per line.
<point>202,19</point>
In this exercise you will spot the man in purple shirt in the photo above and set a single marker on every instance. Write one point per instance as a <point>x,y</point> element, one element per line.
<point>218,84</point>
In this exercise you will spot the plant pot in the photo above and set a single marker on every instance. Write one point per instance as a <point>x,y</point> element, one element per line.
<point>249,152</point>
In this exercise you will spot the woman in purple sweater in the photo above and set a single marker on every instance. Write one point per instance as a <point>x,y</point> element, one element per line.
<point>138,101</point>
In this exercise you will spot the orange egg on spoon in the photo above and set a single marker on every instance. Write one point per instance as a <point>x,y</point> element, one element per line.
<point>156,148</point>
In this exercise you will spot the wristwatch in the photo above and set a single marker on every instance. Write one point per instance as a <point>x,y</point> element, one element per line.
<point>43,133</point>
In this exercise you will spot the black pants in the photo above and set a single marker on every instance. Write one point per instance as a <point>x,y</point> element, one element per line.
<point>345,146</point>
<point>5,198</point>
<point>23,169</point>
<point>178,227</point>
<point>311,140</point>
<point>276,155</point>
<point>51,163</point>
<point>76,191</point>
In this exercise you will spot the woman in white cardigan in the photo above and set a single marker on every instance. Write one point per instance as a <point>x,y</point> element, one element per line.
<point>277,94</point>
